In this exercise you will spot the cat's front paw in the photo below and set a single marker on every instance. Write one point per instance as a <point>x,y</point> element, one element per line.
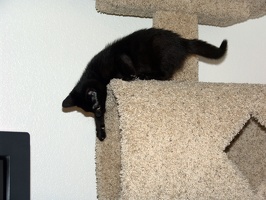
<point>101,135</point>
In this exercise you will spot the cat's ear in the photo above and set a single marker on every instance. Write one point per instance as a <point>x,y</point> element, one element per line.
<point>68,102</point>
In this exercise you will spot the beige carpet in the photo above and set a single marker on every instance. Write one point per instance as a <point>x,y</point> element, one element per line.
<point>169,140</point>
<point>214,12</point>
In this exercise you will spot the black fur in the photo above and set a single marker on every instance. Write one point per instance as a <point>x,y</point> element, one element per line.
<point>145,54</point>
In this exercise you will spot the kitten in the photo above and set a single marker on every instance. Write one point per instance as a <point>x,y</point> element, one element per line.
<point>145,54</point>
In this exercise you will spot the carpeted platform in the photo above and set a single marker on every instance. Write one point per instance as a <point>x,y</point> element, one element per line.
<point>189,140</point>
<point>215,12</point>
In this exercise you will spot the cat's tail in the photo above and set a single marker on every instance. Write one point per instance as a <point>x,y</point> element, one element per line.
<point>206,50</point>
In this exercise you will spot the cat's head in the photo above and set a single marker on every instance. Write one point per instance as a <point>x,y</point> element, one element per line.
<point>89,95</point>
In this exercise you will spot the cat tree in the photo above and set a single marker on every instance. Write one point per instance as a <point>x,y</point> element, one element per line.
<point>182,139</point>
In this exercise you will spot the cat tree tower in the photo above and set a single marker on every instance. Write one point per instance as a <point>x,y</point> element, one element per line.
<point>182,139</point>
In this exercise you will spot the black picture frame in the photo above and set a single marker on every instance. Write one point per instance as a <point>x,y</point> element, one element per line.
<point>15,165</point>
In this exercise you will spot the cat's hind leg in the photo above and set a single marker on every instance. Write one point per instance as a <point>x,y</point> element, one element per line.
<point>170,63</point>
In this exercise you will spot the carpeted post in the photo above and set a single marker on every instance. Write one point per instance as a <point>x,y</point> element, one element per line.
<point>187,26</point>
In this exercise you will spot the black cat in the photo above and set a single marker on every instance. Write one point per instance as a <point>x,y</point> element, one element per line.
<point>145,54</point>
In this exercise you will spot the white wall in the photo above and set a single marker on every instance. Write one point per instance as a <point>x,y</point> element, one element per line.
<point>44,48</point>
<point>245,61</point>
